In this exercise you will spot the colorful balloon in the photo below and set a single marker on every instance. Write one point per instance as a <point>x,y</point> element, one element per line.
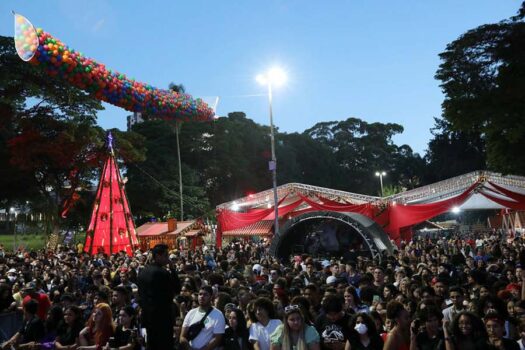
<point>58,60</point>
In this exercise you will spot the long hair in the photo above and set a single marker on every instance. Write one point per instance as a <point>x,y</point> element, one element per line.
<point>478,328</point>
<point>105,329</point>
<point>242,328</point>
<point>287,342</point>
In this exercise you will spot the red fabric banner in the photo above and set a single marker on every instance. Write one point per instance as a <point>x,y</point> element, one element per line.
<point>364,209</point>
<point>284,210</point>
<point>506,203</point>
<point>402,216</point>
<point>518,197</point>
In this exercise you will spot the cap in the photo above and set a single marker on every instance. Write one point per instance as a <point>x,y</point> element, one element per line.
<point>325,263</point>
<point>331,279</point>
<point>11,270</point>
<point>29,286</point>
<point>257,268</point>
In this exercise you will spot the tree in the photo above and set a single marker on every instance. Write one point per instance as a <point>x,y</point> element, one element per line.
<point>451,153</point>
<point>49,142</point>
<point>361,149</point>
<point>483,77</point>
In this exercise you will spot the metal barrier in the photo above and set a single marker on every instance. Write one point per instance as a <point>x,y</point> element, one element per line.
<point>10,323</point>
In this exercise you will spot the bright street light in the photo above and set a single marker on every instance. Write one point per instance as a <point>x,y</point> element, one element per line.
<point>274,77</point>
<point>380,174</point>
<point>456,210</point>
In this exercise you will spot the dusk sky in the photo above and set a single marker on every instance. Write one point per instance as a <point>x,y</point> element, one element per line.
<point>373,60</point>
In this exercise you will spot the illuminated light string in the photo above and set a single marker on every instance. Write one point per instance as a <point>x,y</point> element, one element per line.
<point>56,59</point>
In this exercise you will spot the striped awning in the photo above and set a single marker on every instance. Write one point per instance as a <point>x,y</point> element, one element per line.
<point>260,228</point>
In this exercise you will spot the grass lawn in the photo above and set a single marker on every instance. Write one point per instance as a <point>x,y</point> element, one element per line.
<point>30,241</point>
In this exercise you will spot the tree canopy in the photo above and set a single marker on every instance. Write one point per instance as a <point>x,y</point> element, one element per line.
<point>483,77</point>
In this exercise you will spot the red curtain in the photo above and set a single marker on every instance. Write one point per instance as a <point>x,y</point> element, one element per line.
<point>364,209</point>
<point>518,197</point>
<point>284,210</point>
<point>506,203</point>
<point>402,216</point>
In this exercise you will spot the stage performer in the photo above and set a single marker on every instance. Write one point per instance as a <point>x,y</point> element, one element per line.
<point>157,288</point>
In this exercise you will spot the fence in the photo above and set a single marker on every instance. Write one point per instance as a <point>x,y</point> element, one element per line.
<point>10,323</point>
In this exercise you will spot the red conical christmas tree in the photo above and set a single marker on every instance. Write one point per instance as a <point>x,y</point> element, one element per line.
<point>111,228</point>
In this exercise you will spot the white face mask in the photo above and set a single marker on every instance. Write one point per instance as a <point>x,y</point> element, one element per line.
<point>361,328</point>
<point>11,278</point>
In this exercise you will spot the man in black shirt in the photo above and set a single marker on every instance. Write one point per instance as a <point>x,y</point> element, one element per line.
<point>333,324</point>
<point>32,330</point>
<point>157,288</point>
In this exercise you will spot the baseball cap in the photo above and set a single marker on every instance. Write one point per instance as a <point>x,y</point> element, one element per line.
<point>331,279</point>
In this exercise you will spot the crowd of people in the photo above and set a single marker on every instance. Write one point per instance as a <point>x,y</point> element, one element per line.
<point>454,293</point>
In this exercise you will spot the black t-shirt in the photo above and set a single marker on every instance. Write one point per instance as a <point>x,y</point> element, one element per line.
<point>33,330</point>
<point>333,332</point>
<point>122,337</point>
<point>68,335</point>
<point>509,344</point>
<point>424,342</point>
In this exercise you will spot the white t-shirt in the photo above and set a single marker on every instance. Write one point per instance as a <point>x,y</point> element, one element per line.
<point>262,334</point>
<point>214,324</point>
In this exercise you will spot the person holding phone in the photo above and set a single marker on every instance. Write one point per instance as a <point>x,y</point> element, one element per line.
<point>425,332</point>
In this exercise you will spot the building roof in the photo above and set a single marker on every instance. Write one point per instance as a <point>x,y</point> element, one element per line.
<point>151,229</point>
<point>261,228</point>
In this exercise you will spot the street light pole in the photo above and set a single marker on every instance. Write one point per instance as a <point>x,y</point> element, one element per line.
<point>277,77</point>
<point>381,174</point>
<point>273,163</point>
<point>180,172</point>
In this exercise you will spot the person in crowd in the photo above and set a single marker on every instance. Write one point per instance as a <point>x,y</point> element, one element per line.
<point>236,334</point>
<point>495,326</point>
<point>212,320</point>
<point>119,300</point>
<point>399,337</point>
<point>353,302</point>
<point>157,288</point>
<point>29,292</point>
<point>333,324</point>
<point>125,337</point>
<point>294,332</point>
<point>98,330</point>
<point>467,331</point>
<point>32,331</point>
<point>426,332</point>
<point>52,323</point>
<point>69,330</point>
<point>456,295</point>
<point>264,323</point>
<point>7,303</point>
<point>364,334</point>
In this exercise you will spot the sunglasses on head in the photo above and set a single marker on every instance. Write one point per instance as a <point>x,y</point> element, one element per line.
<point>291,308</point>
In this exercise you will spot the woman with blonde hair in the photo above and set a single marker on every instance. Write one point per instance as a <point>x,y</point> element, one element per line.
<point>98,330</point>
<point>294,333</point>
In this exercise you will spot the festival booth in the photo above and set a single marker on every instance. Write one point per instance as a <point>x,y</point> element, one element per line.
<point>182,235</point>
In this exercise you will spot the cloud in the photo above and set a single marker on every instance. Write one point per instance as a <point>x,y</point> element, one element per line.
<point>97,26</point>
